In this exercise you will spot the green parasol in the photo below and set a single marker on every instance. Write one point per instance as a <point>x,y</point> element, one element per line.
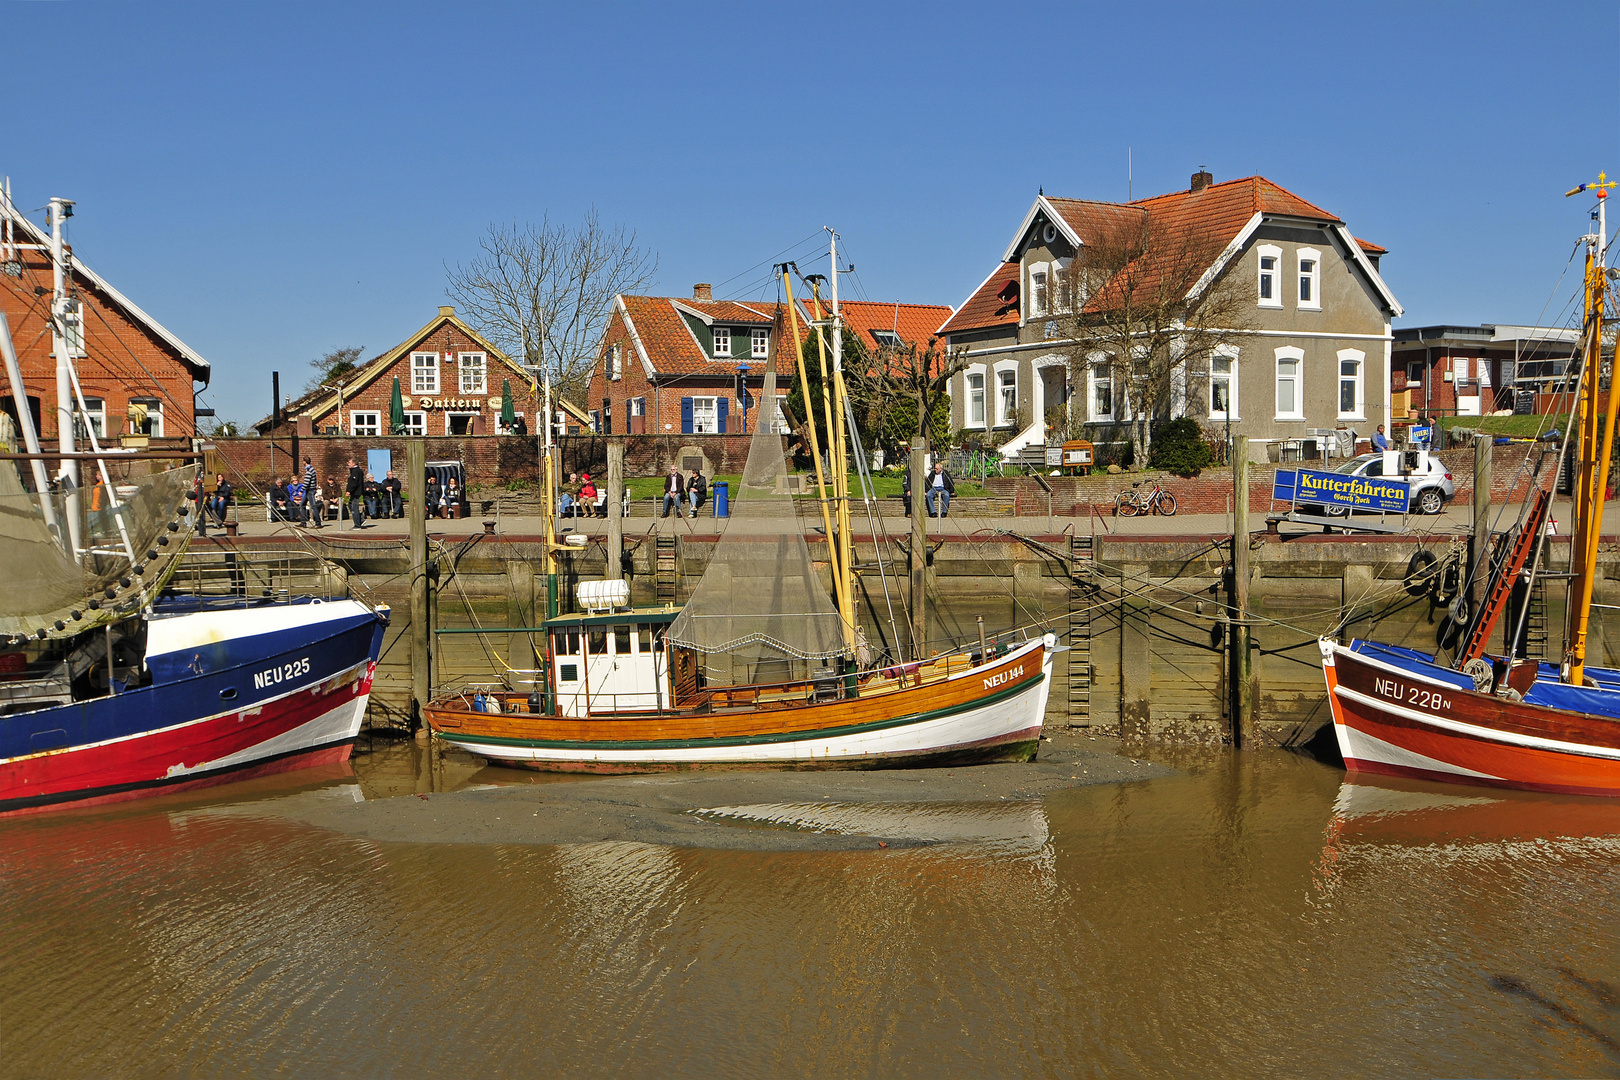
<point>396,411</point>
<point>508,413</point>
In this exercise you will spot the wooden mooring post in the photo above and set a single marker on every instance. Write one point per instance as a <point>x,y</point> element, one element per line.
<point>615,510</point>
<point>1243,677</point>
<point>421,625</point>
<point>919,553</point>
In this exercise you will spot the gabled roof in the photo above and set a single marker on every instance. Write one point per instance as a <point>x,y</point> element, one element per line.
<point>201,370</point>
<point>873,320</point>
<point>1222,216</point>
<point>318,402</point>
<point>664,341</point>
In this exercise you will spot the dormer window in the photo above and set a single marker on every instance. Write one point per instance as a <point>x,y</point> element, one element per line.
<point>886,339</point>
<point>1037,293</point>
<point>1270,268</point>
<point>1310,285</point>
<point>759,343</point>
<point>722,341</point>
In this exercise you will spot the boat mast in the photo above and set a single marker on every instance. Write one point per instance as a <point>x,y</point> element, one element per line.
<point>1592,482</point>
<point>815,441</point>
<point>61,306</point>
<point>846,547</point>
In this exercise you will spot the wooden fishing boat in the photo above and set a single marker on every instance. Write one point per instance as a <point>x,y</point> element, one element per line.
<point>760,667</point>
<point>1504,720</point>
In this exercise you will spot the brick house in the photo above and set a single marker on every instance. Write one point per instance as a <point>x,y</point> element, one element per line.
<point>1475,370</point>
<point>450,379</point>
<point>671,365</point>
<point>124,357</point>
<point>1316,360</point>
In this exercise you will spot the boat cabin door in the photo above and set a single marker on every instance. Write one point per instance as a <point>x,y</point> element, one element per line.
<point>611,667</point>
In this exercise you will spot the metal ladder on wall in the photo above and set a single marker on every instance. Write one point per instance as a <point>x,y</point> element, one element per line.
<point>1535,623</point>
<point>1080,598</point>
<point>1479,631</point>
<point>665,569</point>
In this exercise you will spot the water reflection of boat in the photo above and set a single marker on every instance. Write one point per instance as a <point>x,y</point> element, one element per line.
<point>1392,810</point>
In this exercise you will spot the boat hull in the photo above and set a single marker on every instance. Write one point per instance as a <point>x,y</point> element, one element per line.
<point>1392,721</point>
<point>990,713</point>
<point>295,695</point>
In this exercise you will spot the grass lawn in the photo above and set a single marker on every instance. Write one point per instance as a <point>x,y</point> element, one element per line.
<point>1518,427</point>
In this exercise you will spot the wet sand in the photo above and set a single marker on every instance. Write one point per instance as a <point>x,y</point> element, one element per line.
<point>751,811</point>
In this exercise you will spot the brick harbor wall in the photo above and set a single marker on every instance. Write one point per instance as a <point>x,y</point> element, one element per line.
<point>490,460</point>
<point>1210,492</point>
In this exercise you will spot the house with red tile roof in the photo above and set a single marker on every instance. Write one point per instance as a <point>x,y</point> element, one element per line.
<point>674,365</point>
<point>1313,359</point>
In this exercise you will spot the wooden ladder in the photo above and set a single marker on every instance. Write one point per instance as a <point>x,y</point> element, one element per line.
<point>665,569</point>
<point>1484,621</point>
<point>1081,554</point>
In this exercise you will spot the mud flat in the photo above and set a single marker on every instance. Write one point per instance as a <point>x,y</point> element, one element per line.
<point>763,811</point>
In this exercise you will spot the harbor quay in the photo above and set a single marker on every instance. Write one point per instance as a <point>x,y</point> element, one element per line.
<point>1138,604</point>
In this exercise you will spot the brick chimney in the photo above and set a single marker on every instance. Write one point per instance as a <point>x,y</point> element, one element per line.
<point>701,291</point>
<point>1201,180</point>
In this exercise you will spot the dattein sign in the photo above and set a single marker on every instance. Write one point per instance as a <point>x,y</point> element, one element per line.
<point>1315,487</point>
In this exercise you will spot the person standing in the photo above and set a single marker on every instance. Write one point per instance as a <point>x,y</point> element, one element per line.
<point>940,489</point>
<point>1380,441</point>
<point>315,498</point>
<point>905,489</point>
<point>697,489</point>
<point>355,489</point>
<point>674,488</point>
<point>309,477</point>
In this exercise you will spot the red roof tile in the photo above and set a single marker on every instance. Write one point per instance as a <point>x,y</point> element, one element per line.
<point>995,303</point>
<point>668,340</point>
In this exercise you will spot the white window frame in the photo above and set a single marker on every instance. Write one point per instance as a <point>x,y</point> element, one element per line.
<point>365,423</point>
<point>722,334</point>
<point>759,343</point>
<point>1418,366</point>
<point>983,422</point>
<point>73,327</point>
<point>449,416</point>
<point>1040,293</point>
<point>1227,354</point>
<point>616,361</point>
<point>1100,371</point>
<point>154,416</point>
<point>95,415</point>
<point>1297,356</point>
<point>1359,358</point>
<point>712,404</point>
<point>473,371</point>
<point>886,339</point>
<point>1459,369</point>
<point>1005,418</point>
<point>1314,276</point>
<point>1061,288</point>
<point>424,373</point>
<point>415,423</point>
<point>1275,254</point>
<point>780,421</point>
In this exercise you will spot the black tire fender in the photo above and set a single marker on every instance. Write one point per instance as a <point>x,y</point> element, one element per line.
<point>1420,572</point>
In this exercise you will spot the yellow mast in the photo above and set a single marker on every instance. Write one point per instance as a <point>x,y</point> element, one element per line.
<point>815,441</point>
<point>832,388</point>
<point>1593,479</point>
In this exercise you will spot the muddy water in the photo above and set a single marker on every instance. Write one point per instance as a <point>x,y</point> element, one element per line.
<point>1243,916</point>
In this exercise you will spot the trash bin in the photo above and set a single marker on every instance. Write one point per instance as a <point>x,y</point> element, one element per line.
<point>722,498</point>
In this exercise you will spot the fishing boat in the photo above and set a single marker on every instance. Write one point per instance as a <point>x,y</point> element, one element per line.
<point>112,686</point>
<point>1505,720</point>
<point>761,667</point>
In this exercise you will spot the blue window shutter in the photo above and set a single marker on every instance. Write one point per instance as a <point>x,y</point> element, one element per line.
<point>686,416</point>
<point>723,407</point>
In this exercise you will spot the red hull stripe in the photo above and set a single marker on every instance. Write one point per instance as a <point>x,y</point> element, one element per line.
<point>157,757</point>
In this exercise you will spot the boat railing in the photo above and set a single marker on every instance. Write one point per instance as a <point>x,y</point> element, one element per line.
<point>271,574</point>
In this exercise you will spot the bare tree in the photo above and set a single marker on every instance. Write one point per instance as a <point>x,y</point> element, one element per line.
<point>1141,299</point>
<point>543,293</point>
<point>334,365</point>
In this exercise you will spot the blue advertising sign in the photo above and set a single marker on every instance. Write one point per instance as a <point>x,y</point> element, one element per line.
<point>1316,487</point>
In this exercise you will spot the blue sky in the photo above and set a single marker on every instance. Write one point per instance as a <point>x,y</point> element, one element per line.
<point>272,181</point>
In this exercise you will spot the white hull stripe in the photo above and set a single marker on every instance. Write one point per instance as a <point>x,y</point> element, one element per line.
<point>1508,738</point>
<point>1363,747</point>
<point>337,725</point>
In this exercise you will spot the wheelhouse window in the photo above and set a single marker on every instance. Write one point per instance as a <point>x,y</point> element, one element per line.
<point>759,343</point>
<point>722,341</point>
<point>1310,271</point>
<point>1352,401</point>
<point>975,399</point>
<point>365,422</point>
<point>1290,402</point>
<point>1006,398</point>
<point>424,373</point>
<point>1270,265</point>
<point>472,373</point>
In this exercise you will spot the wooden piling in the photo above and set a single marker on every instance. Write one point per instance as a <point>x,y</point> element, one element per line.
<point>919,553</point>
<point>421,628</point>
<point>1244,675</point>
<point>1479,543</point>
<point>615,499</point>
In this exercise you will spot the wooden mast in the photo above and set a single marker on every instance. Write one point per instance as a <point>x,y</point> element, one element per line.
<point>810,417</point>
<point>1592,481</point>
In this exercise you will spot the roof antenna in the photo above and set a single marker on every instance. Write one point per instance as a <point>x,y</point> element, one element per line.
<point>1130,178</point>
<point>1041,191</point>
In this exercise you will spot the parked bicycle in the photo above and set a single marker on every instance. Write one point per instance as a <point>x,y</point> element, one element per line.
<point>1152,499</point>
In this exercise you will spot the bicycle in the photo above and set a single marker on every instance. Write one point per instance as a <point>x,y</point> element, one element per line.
<point>1153,500</point>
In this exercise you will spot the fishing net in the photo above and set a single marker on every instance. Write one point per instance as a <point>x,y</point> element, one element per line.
<point>760,612</point>
<point>48,592</point>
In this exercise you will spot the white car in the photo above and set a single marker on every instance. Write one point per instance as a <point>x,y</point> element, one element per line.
<point>1431,488</point>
